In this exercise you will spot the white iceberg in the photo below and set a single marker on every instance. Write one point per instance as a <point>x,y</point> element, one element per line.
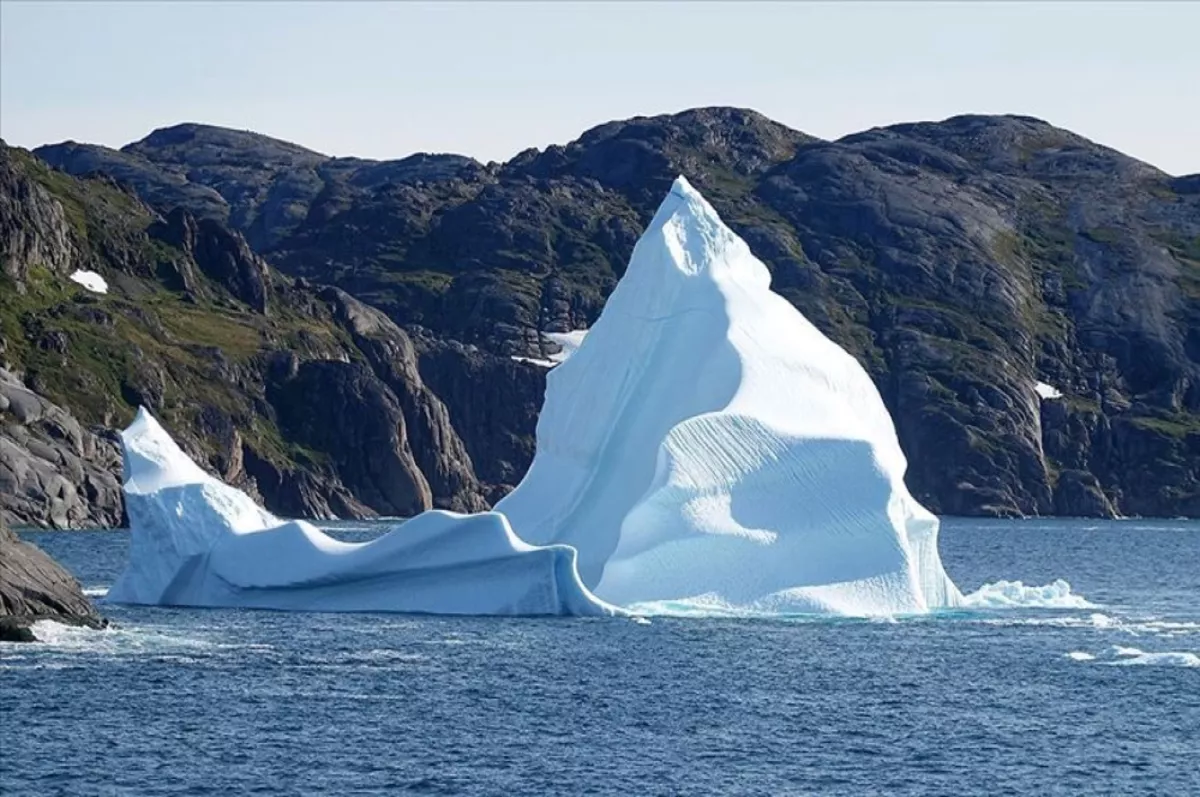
<point>707,445</point>
<point>199,542</point>
<point>90,280</point>
<point>704,448</point>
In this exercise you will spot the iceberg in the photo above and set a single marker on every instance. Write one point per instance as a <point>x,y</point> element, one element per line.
<point>196,541</point>
<point>703,448</point>
<point>707,445</point>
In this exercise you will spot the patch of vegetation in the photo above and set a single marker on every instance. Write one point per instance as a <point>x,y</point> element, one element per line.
<point>1178,425</point>
<point>233,334</point>
<point>267,440</point>
<point>1079,404</point>
<point>1161,190</point>
<point>1108,236</point>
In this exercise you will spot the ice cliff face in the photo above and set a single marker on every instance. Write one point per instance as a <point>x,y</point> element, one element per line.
<point>706,447</point>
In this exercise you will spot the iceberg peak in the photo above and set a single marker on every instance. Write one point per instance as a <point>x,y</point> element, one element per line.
<point>681,258</point>
<point>153,460</point>
<point>683,189</point>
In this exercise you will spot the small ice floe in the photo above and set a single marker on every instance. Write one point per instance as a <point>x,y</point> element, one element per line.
<point>1016,595</point>
<point>90,280</point>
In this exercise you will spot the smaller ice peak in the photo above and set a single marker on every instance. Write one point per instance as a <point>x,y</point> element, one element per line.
<point>1046,391</point>
<point>90,280</point>
<point>153,460</point>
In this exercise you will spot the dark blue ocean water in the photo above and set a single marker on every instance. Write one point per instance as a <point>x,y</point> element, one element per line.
<point>1074,700</point>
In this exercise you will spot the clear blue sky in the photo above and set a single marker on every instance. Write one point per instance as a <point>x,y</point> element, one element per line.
<point>384,79</point>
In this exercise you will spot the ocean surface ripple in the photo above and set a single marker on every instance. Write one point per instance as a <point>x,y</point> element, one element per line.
<point>1075,670</point>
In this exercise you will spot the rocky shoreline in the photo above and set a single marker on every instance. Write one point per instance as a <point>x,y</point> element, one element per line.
<point>34,587</point>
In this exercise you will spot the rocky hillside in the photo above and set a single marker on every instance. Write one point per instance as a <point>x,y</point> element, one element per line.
<point>298,392</point>
<point>964,262</point>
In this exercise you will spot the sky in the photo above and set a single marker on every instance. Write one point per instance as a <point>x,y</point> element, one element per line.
<point>486,79</point>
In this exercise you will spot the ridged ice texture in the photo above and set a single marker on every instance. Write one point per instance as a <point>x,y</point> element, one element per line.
<point>707,447</point>
<point>199,542</point>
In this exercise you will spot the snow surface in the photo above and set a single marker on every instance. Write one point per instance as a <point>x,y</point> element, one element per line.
<point>199,542</point>
<point>1047,391</point>
<point>90,280</point>
<point>569,343</point>
<point>703,448</point>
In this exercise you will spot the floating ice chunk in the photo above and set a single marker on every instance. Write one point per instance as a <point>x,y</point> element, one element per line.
<point>1047,391</point>
<point>1015,594</point>
<point>706,442</point>
<point>90,280</point>
<point>196,541</point>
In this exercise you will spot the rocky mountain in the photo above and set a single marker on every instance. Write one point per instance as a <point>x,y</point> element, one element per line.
<point>964,262</point>
<point>298,392</point>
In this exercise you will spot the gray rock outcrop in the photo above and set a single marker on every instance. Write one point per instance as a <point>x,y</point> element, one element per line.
<point>34,587</point>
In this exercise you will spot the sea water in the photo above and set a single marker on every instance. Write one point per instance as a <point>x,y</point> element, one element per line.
<point>1088,685</point>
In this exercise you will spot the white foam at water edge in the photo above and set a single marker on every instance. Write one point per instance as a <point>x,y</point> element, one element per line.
<point>1121,656</point>
<point>1016,595</point>
<point>1134,656</point>
<point>1171,627</point>
<point>115,641</point>
<point>95,592</point>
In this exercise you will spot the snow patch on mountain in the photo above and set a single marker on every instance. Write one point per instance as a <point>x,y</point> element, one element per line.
<point>90,280</point>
